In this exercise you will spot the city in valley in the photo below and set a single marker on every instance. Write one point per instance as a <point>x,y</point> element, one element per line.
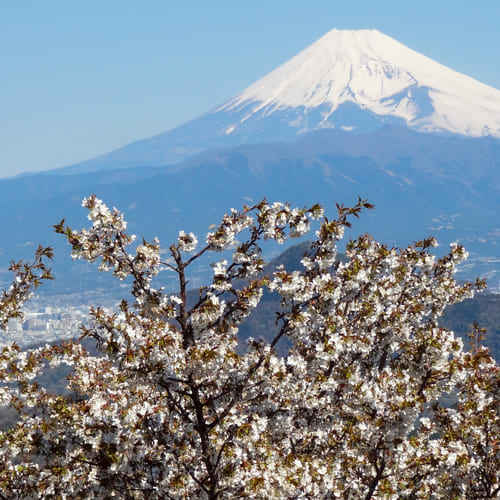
<point>49,319</point>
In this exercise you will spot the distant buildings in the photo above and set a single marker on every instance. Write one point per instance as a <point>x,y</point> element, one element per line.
<point>48,319</point>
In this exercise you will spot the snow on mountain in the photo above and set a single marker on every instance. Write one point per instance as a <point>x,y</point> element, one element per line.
<point>356,81</point>
<point>378,74</point>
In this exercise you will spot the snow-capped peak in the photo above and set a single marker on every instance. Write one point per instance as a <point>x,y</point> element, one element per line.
<point>377,74</point>
<point>357,81</point>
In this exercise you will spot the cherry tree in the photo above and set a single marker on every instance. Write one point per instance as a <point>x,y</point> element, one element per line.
<point>171,408</point>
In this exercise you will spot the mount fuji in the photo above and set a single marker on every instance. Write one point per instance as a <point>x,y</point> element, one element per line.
<point>358,81</point>
<point>355,114</point>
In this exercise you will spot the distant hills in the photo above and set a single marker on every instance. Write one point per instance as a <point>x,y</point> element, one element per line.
<point>421,184</point>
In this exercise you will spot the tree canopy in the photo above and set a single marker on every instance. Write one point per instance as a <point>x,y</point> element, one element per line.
<point>373,400</point>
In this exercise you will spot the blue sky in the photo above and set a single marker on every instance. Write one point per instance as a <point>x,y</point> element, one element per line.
<point>82,78</point>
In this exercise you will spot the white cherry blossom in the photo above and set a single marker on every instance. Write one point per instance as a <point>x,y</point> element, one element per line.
<point>173,406</point>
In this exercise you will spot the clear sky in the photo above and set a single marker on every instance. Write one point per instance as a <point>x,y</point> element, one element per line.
<point>80,78</point>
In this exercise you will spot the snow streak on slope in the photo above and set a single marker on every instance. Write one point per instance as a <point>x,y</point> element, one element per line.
<point>377,74</point>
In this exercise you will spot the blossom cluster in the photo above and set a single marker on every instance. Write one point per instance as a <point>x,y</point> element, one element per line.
<point>173,407</point>
<point>27,277</point>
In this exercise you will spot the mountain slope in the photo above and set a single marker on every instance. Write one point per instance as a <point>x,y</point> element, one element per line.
<point>357,81</point>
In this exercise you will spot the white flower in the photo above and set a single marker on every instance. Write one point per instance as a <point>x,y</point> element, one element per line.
<point>187,242</point>
<point>220,268</point>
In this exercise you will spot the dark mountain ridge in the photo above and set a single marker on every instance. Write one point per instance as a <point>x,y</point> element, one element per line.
<point>421,184</point>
